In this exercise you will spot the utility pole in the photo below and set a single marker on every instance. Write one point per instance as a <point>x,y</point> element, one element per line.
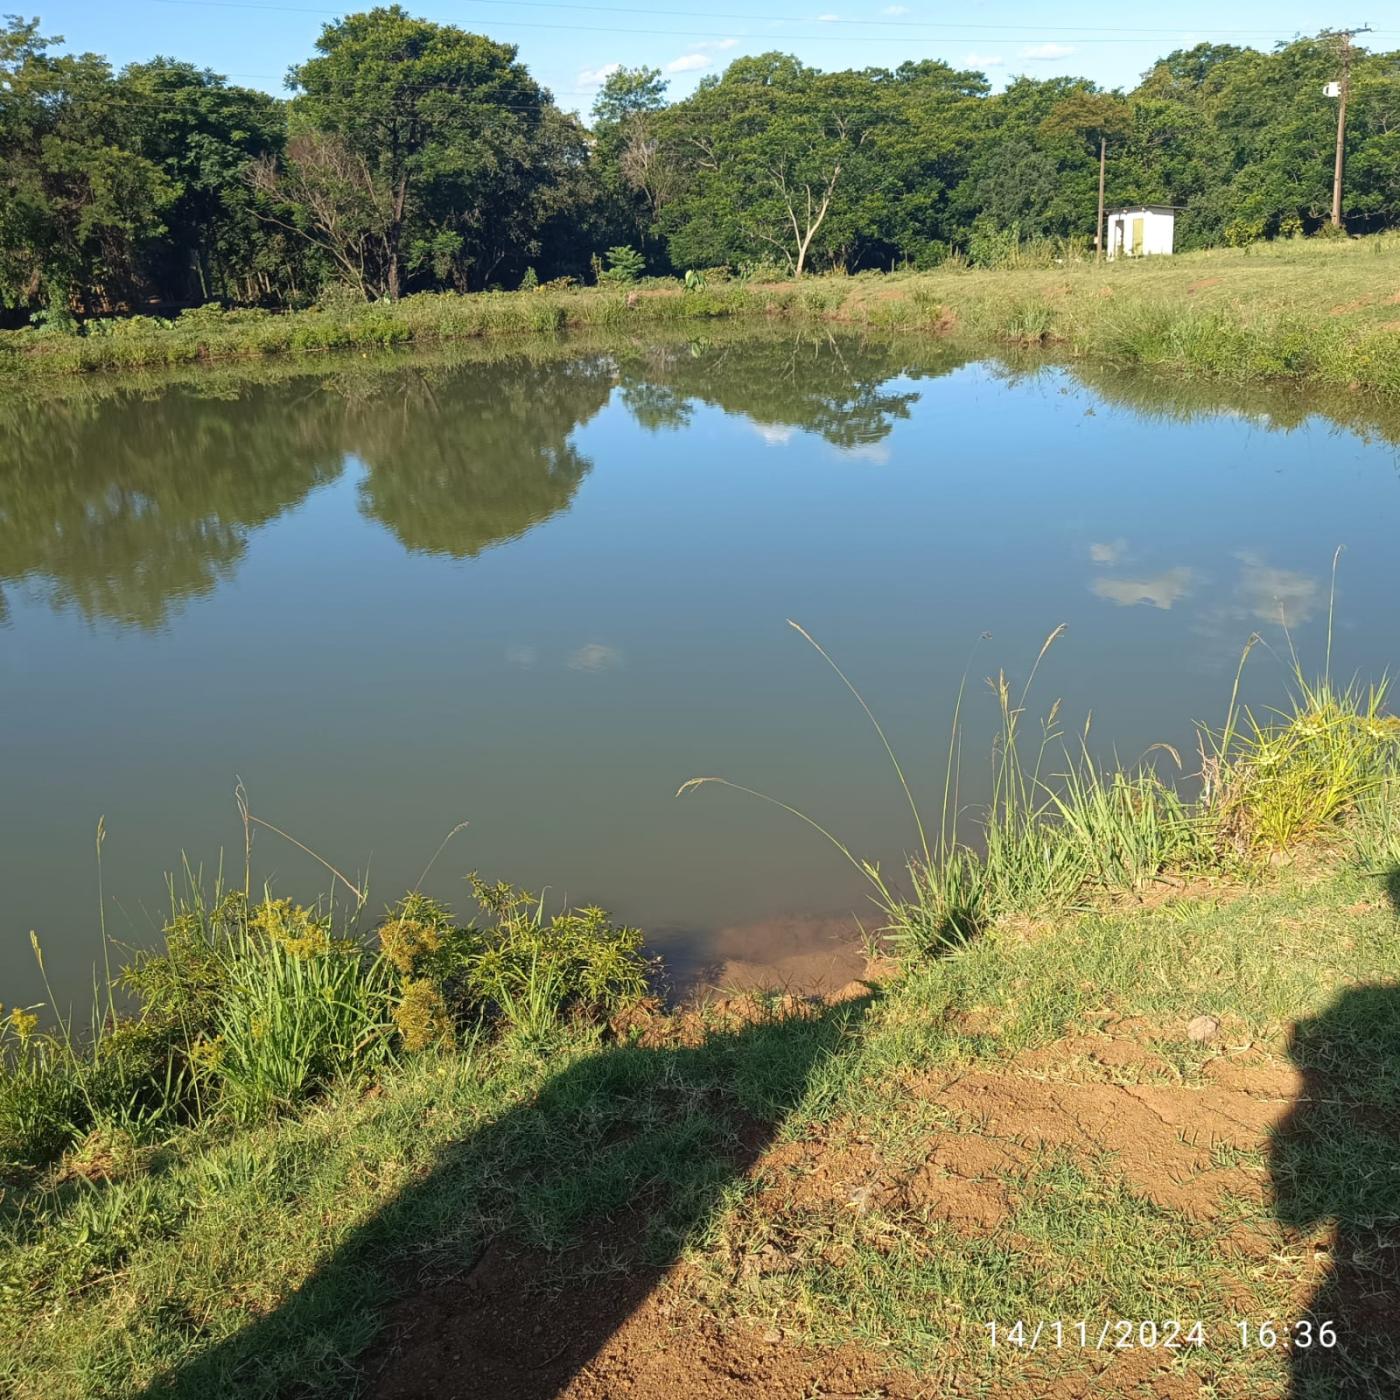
<point>1343,92</point>
<point>1103,160</point>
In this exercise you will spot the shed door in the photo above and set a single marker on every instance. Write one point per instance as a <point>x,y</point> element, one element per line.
<point>1137,238</point>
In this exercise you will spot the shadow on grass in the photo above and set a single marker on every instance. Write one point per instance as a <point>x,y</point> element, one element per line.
<point>1391,882</point>
<point>507,1269</point>
<point>1336,1158</point>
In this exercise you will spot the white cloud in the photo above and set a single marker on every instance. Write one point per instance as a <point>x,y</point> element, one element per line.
<point>1159,591</point>
<point>596,77</point>
<point>518,654</point>
<point>1271,594</point>
<point>827,19</point>
<point>1110,552</point>
<point>717,44</point>
<point>983,60</point>
<point>594,657</point>
<point>877,453</point>
<point>1048,51</point>
<point>895,10</point>
<point>775,434</point>
<point>688,63</point>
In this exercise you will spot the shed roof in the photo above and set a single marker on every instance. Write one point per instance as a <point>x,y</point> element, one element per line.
<point>1145,209</point>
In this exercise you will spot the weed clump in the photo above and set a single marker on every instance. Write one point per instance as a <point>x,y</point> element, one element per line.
<point>1062,830</point>
<point>1275,781</point>
<point>251,1008</point>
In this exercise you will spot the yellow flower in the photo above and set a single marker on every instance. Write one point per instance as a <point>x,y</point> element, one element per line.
<point>421,1015</point>
<point>296,929</point>
<point>404,941</point>
<point>208,1053</point>
<point>22,1022</point>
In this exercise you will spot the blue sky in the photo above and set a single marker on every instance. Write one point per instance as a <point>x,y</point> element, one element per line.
<point>571,46</point>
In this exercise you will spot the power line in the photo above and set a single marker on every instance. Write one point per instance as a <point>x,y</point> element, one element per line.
<point>1028,36</point>
<point>1015,29</point>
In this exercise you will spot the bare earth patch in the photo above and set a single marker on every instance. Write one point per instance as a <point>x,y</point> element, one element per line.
<point>1111,1101</point>
<point>505,1334</point>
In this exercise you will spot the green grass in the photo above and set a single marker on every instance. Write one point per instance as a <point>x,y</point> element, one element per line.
<point>242,1262</point>
<point>222,1191</point>
<point>1078,1241</point>
<point>252,1008</point>
<point>1321,312</point>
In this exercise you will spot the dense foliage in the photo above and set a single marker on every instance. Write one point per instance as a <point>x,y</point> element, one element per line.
<point>414,156</point>
<point>252,1006</point>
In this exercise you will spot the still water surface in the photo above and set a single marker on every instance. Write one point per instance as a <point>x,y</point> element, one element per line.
<point>537,592</point>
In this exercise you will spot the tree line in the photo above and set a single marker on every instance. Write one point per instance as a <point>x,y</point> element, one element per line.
<point>416,156</point>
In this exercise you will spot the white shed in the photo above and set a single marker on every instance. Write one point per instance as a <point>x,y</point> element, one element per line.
<point>1142,232</point>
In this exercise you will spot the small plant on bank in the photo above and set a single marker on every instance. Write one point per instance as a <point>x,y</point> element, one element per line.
<point>1275,781</point>
<point>251,1008</point>
<point>300,1008</point>
<point>529,969</point>
<point>1375,833</point>
<point>625,264</point>
<point>1052,840</point>
<point>523,972</point>
<point>1270,783</point>
<point>336,297</point>
<point>54,320</point>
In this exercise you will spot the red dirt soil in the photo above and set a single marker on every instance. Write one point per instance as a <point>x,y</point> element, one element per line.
<point>630,1332</point>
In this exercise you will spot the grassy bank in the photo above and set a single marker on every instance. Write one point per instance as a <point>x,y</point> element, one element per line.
<point>1138,1058</point>
<point>692,360</point>
<point>1320,312</point>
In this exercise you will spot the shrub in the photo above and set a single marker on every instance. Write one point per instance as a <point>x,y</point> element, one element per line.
<point>54,320</point>
<point>762,270</point>
<point>624,265</point>
<point>298,1009</point>
<point>257,1006</point>
<point>251,1008</point>
<point>547,318</point>
<point>1275,781</point>
<point>40,1096</point>
<point>210,316</point>
<point>380,327</point>
<point>339,296</point>
<point>1241,232</point>
<point>524,971</point>
<point>991,245</point>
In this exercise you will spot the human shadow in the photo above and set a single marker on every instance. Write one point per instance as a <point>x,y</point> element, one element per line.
<point>1391,881</point>
<point>1336,1158</point>
<point>507,1268</point>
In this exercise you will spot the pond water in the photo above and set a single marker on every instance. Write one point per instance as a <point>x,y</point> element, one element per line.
<point>537,590</point>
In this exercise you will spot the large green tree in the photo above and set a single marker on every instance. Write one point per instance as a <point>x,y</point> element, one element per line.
<point>202,134</point>
<point>420,151</point>
<point>415,155</point>
<point>771,152</point>
<point>637,175</point>
<point>77,198</point>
